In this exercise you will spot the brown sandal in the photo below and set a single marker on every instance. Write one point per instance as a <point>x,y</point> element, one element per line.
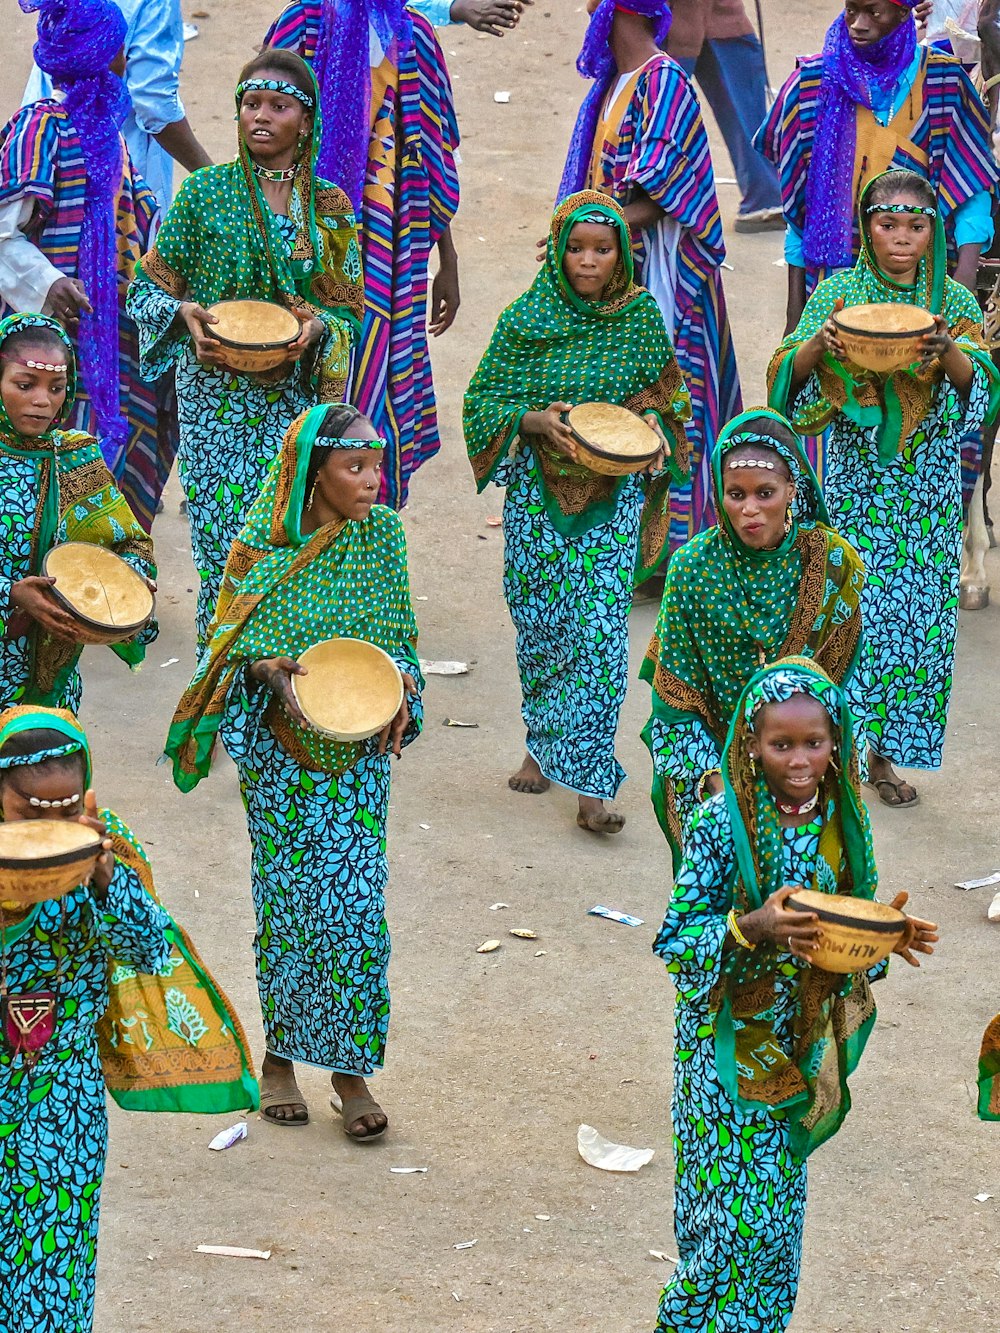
<point>281,1090</point>
<point>351,1112</point>
<point>898,803</point>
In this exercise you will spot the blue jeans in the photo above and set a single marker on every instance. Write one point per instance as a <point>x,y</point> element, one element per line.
<point>731,75</point>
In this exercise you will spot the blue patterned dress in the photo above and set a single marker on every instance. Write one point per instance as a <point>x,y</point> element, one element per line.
<point>569,599</point>
<point>904,518</point>
<point>319,871</point>
<point>739,1192</point>
<point>53,1119</point>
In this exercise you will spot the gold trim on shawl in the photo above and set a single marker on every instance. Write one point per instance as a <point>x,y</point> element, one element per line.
<point>159,271</point>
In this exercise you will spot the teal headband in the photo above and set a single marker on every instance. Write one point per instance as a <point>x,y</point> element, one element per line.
<point>273,86</point>
<point>778,684</point>
<point>922,209</point>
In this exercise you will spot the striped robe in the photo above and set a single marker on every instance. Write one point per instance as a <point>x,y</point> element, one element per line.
<point>41,157</point>
<point>663,148</point>
<point>952,131</point>
<point>409,200</point>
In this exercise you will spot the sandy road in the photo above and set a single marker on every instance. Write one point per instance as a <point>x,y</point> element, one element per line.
<point>495,1060</point>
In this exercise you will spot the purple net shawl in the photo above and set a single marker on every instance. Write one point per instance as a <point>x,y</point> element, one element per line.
<point>342,67</point>
<point>77,41</point>
<point>849,76</point>
<point>596,62</point>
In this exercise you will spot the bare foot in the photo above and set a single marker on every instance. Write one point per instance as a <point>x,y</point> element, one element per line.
<point>281,1100</point>
<point>595,816</point>
<point>363,1117</point>
<point>892,789</point>
<point>528,778</point>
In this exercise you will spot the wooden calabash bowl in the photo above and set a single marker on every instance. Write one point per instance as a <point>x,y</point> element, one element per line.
<point>611,440</point>
<point>108,600</point>
<point>352,691</point>
<point>855,933</point>
<point>256,335</point>
<point>45,858</point>
<point>883,338</point>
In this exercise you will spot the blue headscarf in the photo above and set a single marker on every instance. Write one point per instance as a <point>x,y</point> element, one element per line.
<point>596,62</point>
<point>850,76</point>
<point>342,66</point>
<point>77,41</point>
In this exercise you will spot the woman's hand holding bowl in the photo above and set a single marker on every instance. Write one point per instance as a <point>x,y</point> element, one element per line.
<point>652,420</point>
<point>276,673</point>
<point>105,867</point>
<point>207,349</point>
<point>550,427</point>
<point>391,737</point>
<point>310,332</point>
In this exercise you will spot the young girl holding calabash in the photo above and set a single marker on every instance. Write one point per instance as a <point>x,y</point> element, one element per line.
<point>765,1039</point>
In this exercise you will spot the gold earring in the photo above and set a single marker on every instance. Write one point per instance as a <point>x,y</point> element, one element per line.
<point>309,502</point>
<point>788,520</point>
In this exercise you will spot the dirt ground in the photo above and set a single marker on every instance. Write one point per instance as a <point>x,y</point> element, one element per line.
<point>495,1060</point>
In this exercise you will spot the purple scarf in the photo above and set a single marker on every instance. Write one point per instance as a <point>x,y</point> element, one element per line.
<point>850,75</point>
<point>343,71</point>
<point>77,41</point>
<point>596,62</point>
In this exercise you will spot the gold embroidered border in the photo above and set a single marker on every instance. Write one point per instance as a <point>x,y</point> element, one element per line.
<point>159,271</point>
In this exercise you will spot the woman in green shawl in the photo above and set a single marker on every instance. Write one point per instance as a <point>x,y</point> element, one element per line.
<point>54,487</point>
<point>318,559</point>
<point>893,472</point>
<point>575,543</point>
<point>265,228</point>
<point>772,579</point>
<point>101,990</point>
<point>765,1041</point>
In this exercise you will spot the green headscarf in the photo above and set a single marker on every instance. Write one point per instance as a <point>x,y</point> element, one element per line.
<point>727,608</point>
<point>552,345</point>
<point>283,591</point>
<point>14,721</point>
<point>221,241</point>
<point>834,1014</point>
<point>894,404</point>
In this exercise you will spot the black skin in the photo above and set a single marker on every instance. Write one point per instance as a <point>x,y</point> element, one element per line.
<point>793,743</point>
<point>490,16</point>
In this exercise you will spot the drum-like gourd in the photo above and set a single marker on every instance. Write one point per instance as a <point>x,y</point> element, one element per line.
<point>256,335</point>
<point>352,690</point>
<point>855,933</point>
<point>45,858</point>
<point>612,440</point>
<point>107,598</point>
<point>883,337</point>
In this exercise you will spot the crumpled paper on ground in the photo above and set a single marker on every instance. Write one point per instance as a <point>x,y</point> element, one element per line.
<point>598,1151</point>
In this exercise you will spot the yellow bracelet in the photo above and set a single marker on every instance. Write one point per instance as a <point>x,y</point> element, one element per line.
<point>735,931</point>
<point>703,780</point>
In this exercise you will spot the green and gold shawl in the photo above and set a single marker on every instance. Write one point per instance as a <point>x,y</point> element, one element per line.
<point>220,241</point>
<point>193,1054</point>
<point>893,405</point>
<point>551,346</point>
<point>728,608</point>
<point>78,501</point>
<point>834,1014</point>
<point>283,591</point>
